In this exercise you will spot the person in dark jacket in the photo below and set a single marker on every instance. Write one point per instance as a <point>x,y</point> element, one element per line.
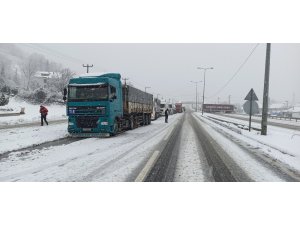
<point>166,115</point>
<point>44,113</point>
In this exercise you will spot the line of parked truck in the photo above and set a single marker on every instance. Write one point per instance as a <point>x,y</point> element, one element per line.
<point>100,105</point>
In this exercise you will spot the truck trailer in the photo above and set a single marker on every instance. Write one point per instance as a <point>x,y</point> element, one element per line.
<point>163,107</point>
<point>178,107</point>
<point>156,109</point>
<point>99,105</point>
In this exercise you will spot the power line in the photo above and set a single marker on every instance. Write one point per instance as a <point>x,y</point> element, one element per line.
<point>36,48</point>
<point>236,73</point>
<point>53,53</point>
<point>74,59</point>
<point>59,53</point>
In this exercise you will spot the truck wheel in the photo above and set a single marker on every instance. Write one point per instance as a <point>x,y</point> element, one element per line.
<point>131,123</point>
<point>144,120</point>
<point>149,119</point>
<point>115,129</point>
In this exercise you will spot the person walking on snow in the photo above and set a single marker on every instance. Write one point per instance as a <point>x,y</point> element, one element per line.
<point>44,113</point>
<point>166,115</point>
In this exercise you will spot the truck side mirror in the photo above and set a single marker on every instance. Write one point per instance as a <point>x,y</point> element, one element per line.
<point>65,94</point>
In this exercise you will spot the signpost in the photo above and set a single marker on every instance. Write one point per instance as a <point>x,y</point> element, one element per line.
<point>251,105</point>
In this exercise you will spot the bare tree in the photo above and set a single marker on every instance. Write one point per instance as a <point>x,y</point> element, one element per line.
<point>62,79</point>
<point>16,78</point>
<point>2,76</point>
<point>29,68</point>
<point>5,70</point>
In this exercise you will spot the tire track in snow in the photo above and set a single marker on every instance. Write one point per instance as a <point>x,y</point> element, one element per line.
<point>192,165</point>
<point>100,171</point>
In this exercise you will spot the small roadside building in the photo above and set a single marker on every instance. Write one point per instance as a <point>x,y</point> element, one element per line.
<point>43,79</point>
<point>294,112</point>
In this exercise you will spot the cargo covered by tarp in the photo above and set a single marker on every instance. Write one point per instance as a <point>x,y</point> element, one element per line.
<point>136,101</point>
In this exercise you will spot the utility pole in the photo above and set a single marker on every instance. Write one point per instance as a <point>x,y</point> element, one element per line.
<point>294,99</point>
<point>196,82</point>
<point>125,79</point>
<point>264,119</point>
<point>196,96</point>
<point>201,68</point>
<point>87,67</point>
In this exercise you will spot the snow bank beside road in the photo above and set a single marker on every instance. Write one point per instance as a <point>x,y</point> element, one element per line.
<point>280,144</point>
<point>56,112</point>
<point>12,139</point>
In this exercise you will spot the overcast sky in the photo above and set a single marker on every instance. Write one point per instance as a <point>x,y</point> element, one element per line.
<point>169,68</point>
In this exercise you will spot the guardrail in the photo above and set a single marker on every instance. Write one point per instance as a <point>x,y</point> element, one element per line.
<point>278,117</point>
<point>285,118</point>
<point>281,117</point>
<point>241,126</point>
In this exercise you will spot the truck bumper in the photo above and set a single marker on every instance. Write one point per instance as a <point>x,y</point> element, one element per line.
<point>89,134</point>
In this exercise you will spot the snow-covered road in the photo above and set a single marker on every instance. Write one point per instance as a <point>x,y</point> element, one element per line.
<point>203,151</point>
<point>93,159</point>
<point>191,163</point>
<point>276,152</point>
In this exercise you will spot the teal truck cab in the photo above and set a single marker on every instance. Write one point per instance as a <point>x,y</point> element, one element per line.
<point>99,105</point>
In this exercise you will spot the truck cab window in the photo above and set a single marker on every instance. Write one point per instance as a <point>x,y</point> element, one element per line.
<point>88,93</point>
<point>113,92</point>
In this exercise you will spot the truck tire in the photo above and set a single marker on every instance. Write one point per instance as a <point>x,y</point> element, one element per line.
<point>146,119</point>
<point>131,123</point>
<point>115,128</point>
<point>149,116</point>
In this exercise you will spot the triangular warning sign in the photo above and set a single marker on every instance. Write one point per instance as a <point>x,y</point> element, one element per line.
<point>254,97</point>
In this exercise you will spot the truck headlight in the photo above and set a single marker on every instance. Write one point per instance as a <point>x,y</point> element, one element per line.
<point>71,124</point>
<point>104,123</point>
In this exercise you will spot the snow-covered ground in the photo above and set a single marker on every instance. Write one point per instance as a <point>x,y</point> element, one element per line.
<point>92,159</point>
<point>282,121</point>
<point>13,139</point>
<point>55,112</point>
<point>280,144</point>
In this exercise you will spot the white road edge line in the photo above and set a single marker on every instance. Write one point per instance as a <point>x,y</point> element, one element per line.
<point>169,132</point>
<point>145,171</point>
<point>142,175</point>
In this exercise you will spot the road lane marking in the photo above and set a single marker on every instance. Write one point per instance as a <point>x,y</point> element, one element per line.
<point>145,171</point>
<point>169,133</point>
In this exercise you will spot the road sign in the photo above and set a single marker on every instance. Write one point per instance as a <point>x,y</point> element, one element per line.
<point>255,108</point>
<point>251,98</point>
<point>254,97</point>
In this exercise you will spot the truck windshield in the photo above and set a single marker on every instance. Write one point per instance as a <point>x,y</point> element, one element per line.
<point>88,93</point>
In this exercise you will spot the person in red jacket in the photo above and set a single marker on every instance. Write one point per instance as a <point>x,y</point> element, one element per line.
<point>44,113</point>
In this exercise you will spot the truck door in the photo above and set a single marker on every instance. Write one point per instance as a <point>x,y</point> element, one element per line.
<point>114,101</point>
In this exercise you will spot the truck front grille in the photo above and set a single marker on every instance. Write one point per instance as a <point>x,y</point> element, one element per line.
<point>87,121</point>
